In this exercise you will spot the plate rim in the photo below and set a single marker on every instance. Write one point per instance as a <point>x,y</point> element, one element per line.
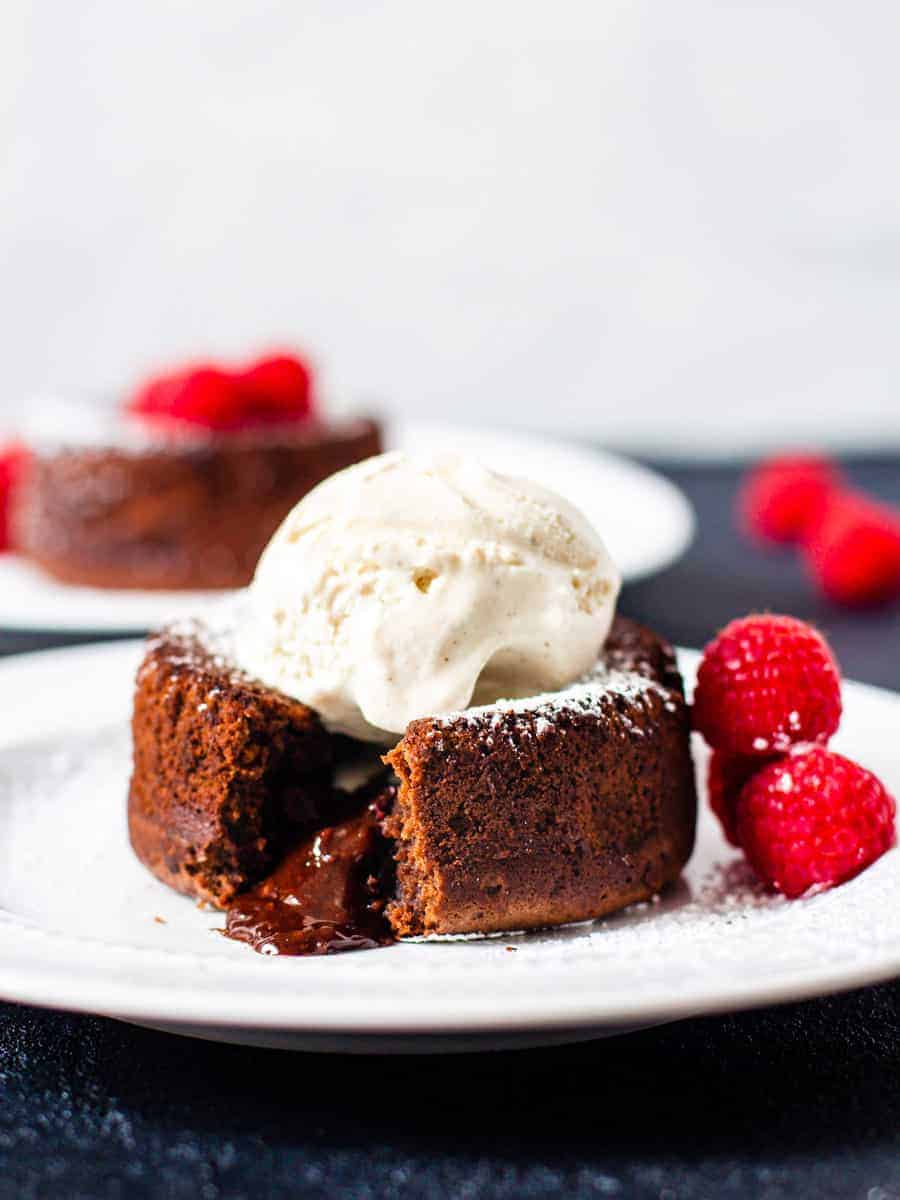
<point>154,1005</point>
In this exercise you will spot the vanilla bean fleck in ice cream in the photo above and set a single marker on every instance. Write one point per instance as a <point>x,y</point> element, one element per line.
<point>406,587</point>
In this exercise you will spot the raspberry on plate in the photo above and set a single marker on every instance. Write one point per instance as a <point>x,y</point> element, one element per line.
<point>782,497</point>
<point>764,683</point>
<point>814,819</point>
<point>726,775</point>
<point>13,460</point>
<point>853,552</point>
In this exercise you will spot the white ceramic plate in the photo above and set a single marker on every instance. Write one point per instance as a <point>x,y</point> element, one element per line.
<point>646,522</point>
<point>84,927</point>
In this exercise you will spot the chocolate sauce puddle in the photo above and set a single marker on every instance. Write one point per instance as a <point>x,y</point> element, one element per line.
<point>327,895</point>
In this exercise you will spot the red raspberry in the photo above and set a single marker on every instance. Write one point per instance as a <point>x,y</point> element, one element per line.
<point>277,388</point>
<point>765,683</point>
<point>203,395</point>
<point>153,399</point>
<point>273,389</point>
<point>207,396</point>
<point>853,552</point>
<point>13,461</point>
<point>782,497</point>
<point>726,775</point>
<point>814,819</point>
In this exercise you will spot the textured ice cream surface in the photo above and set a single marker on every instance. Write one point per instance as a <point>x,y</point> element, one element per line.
<point>404,587</point>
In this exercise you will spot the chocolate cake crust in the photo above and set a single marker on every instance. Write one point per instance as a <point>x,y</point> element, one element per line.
<point>545,811</point>
<point>225,773</point>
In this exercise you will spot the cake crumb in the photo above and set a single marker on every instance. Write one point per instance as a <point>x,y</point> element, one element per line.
<point>160,920</point>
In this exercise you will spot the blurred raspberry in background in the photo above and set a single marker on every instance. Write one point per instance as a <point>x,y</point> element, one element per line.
<point>13,460</point>
<point>849,541</point>
<point>270,390</point>
<point>782,497</point>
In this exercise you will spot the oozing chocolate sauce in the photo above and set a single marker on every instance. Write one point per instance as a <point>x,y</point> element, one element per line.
<point>326,895</point>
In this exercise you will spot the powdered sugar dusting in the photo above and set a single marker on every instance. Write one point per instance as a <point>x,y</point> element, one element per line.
<point>591,694</point>
<point>61,424</point>
<point>211,643</point>
<point>202,645</point>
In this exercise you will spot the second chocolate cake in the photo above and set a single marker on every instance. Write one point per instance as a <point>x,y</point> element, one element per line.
<point>175,514</point>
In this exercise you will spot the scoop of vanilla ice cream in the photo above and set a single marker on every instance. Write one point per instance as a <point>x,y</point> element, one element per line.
<point>405,587</point>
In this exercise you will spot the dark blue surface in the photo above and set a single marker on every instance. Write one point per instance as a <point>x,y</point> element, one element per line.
<point>723,575</point>
<point>791,1102</point>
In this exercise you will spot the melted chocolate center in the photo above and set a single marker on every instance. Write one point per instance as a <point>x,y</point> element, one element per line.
<point>326,895</point>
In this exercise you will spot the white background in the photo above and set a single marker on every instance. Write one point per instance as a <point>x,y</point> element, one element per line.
<point>673,225</point>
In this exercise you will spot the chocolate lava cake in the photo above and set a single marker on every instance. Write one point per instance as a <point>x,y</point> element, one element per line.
<point>521,814</point>
<point>175,513</point>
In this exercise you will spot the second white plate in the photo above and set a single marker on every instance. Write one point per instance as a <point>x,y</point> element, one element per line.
<point>644,519</point>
